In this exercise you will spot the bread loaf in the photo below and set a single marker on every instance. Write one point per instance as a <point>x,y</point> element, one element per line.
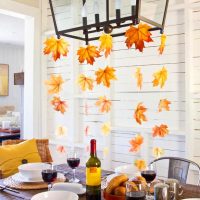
<point>115,182</point>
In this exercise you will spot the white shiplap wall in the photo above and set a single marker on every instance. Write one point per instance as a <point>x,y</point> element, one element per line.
<point>124,93</point>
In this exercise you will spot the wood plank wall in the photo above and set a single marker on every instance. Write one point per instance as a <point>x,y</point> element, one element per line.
<point>124,93</point>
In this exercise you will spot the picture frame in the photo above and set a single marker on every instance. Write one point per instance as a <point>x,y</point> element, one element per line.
<point>4,79</point>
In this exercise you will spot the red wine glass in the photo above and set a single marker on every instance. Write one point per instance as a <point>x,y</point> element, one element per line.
<point>73,161</point>
<point>149,174</point>
<point>49,175</point>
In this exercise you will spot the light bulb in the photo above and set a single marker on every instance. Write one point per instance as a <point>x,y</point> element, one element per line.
<point>84,11</point>
<point>96,7</point>
<point>133,2</point>
<point>118,4</point>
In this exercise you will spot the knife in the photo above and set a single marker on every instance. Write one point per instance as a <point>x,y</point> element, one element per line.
<point>2,188</point>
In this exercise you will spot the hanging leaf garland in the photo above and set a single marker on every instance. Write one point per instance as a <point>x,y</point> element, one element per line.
<point>160,77</point>
<point>162,45</point>
<point>160,131</point>
<point>88,54</point>
<point>138,35</point>
<point>60,106</point>
<point>104,104</point>
<point>105,76</point>
<point>55,84</point>
<point>136,143</point>
<point>164,104</point>
<point>61,149</point>
<point>139,113</point>
<point>85,83</point>
<point>57,47</point>
<point>106,44</point>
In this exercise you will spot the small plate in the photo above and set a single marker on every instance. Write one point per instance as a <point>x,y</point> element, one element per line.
<point>77,188</point>
<point>20,178</point>
<point>53,195</point>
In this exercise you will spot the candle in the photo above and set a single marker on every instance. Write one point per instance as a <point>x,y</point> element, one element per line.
<point>133,2</point>
<point>118,4</point>
<point>84,11</point>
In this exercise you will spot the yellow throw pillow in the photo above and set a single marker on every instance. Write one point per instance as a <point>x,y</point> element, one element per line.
<point>11,156</point>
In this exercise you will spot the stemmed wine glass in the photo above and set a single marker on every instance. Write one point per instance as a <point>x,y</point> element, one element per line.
<point>49,174</point>
<point>149,174</point>
<point>73,162</point>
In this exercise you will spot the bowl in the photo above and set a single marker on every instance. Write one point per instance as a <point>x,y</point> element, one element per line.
<point>53,195</point>
<point>129,170</point>
<point>32,170</point>
<point>112,197</point>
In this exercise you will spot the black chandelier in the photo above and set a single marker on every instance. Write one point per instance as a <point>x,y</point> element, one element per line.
<point>151,12</point>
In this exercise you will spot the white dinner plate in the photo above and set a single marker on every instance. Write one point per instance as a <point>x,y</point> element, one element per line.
<point>20,178</point>
<point>55,195</point>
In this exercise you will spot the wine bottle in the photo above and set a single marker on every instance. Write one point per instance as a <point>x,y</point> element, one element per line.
<point>93,174</point>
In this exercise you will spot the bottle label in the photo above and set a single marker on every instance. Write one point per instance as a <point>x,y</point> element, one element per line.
<point>93,176</point>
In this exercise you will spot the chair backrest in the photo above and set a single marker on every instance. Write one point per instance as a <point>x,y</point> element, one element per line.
<point>42,145</point>
<point>178,168</point>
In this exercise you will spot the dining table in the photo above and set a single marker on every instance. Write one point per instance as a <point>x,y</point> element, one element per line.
<point>189,191</point>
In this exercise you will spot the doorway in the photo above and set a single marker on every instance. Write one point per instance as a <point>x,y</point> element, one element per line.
<point>32,52</point>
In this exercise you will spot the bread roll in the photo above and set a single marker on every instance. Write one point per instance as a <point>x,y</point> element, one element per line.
<point>115,182</point>
<point>120,191</point>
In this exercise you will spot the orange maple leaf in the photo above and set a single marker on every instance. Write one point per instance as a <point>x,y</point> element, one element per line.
<point>59,105</point>
<point>106,43</point>
<point>164,104</point>
<point>138,36</point>
<point>139,113</point>
<point>136,143</point>
<point>88,53</point>
<point>85,82</point>
<point>61,149</point>
<point>160,131</point>
<point>56,46</point>
<point>139,77</point>
<point>160,77</point>
<point>140,164</point>
<point>55,84</point>
<point>104,104</point>
<point>162,45</point>
<point>158,152</point>
<point>105,75</point>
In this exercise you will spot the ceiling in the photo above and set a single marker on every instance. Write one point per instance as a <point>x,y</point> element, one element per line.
<point>12,30</point>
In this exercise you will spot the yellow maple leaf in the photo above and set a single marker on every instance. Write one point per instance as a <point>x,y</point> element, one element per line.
<point>85,82</point>
<point>56,46</point>
<point>106,43</point>
<point>61,131</point>
<point>162,45</point>
<point>139,113</point>
<point>160,77</point>
<point>54,84</point>
<point>164,104</point>
<point>59,105</point>
<point>88,53</point>
<point>140,164</point>
<point>139,77</point>
<point>158,152</point>
<point>136,143</point>
<point>160,131</point>
<point>106,128</point>
<point>104,104</point>
<point>105,76</point>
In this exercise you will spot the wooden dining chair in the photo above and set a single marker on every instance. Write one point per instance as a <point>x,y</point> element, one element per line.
<point>42,145</point>
<point>178,168</point>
